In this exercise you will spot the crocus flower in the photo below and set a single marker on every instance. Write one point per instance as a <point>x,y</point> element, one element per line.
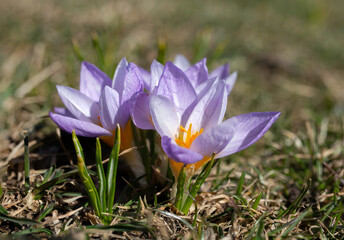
<point>100,105</point>
<point>191,135</point>
<point>196,76</point>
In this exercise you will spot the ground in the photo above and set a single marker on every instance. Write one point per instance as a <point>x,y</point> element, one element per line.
<point>289,58</point>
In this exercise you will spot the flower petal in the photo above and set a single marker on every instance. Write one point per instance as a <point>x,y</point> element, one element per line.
<point>92,81</point>
<point>230,81</point>
<point>177,153</point>
<point>248,129</point>
<point>133,83</point>
<point>198,73</point>
<point>213,140</point>
<point>63,111</point>
<point>210,109</point>
<point>221,72</point>
<point>146,78</point>
<point>164,115</point>
<point>81,106</point>
<point>119,76</point>
<point>140,111</point>
<point>176,86</point>
<point>181,62</point>
<point>156,72</point>
<point>109,105</point>
<point>81,128</point>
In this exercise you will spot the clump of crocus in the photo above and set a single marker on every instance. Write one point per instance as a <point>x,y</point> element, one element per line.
<point>190,122</point>
<point>100,105</point>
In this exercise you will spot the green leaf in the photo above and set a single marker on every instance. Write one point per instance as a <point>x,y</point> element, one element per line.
<point>197,185</point>
<point>112,170</point>
<point>180,188</point>
<point>85,177</point>
<point>101,176</point>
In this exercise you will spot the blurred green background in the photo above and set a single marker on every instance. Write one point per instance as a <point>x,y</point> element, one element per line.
<point>289,54</point>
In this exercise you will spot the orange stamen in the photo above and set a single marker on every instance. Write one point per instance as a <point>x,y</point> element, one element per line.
<point>189,138</point>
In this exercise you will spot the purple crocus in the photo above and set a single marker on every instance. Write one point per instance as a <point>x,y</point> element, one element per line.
<point>191,126</point>
<point>101,104</point>
<point>191,76</point>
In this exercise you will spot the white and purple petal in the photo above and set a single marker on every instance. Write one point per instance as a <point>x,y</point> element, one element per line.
<point>198,73</point>
<point>212,140</point>
<point>133,83</point>
<point>156,72</point>
<point>119,76</point>
<point>248,129</point>
<point>230,82</point>
<point>140,112</point>
<point>92,81</point>
<point>81,128</point>
<point>109,105</point>
<point>175,85</point>
<point>221,72</point>
<point>146,78</point>
<point>177,153</point>
<point>164,116</point>
<point>78,104</point>
<point>210,109</point>
<point>181,62</point>
<point>63,111</point>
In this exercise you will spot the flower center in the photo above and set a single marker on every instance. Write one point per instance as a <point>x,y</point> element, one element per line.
<point>186,137</point>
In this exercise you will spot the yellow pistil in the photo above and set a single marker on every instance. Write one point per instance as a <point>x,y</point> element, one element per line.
<point>189,138</point>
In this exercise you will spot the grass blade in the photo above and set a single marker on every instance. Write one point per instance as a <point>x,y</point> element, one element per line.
<point>161,50</point>
<point>112,171</point>
<point>240,184</point>
<point>256,202</point>
<point>168,214</point>
<point>26,160</point>
<point>296,203</point>
<point>3,210</point>
<point>295,222</point>
<point>99,50</point>
<point>40,189</point>
<point>101,176</point>
<point>180,188</point>
<point>33,230</point>
<point>46,211</point>
<point>122,227</point>
<point>20,221</point>
<point>197,185</point>
<point>85,176</point>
